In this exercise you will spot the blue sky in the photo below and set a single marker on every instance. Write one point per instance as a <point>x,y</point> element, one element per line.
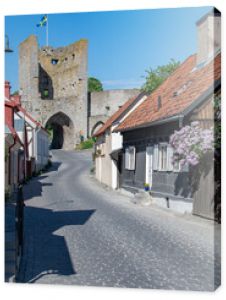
<point>122,44</point>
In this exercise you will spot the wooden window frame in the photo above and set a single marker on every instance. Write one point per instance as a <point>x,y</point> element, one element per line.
<point>129,163</point>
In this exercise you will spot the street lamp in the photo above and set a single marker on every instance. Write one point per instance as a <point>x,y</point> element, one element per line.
<point>7,49</point>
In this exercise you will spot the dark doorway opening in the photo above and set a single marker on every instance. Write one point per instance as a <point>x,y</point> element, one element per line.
<point>61,131</point>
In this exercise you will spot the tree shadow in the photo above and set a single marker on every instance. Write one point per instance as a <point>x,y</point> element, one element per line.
<point>198,184</point>
<point>188,183</point>
<point>49,253</point>
<point>35,190</point>
<point>45,250</point>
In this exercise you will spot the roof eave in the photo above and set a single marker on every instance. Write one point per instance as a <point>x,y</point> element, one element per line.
<point>181,115</point>
<point>150,124</point>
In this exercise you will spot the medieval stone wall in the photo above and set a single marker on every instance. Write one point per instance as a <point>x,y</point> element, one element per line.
<point>106,103</point>
<point>54,81</point>
<point>53,88</point>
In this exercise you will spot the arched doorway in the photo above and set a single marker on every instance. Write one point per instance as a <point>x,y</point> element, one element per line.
<point>61,130</point>
<point>96,127</point>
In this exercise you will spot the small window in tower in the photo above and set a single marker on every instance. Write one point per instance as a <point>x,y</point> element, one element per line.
<point>73,56</point>
<point>54,61</point>
<point>45,93</point>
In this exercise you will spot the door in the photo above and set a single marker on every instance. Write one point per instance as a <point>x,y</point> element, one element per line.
<point>149,165</point>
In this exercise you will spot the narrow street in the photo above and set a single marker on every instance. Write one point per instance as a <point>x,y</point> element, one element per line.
<point>79,232</point>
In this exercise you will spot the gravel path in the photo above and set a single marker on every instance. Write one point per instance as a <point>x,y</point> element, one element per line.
<point>79,232</point>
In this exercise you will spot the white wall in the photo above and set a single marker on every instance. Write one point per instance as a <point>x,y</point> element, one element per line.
<point>41,148</point>
<point>116,140</point>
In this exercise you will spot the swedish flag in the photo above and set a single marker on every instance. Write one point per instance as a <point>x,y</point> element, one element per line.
<point>42,22</point>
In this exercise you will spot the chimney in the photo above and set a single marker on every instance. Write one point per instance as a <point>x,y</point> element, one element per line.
<point>209,36</point>
<point>7,89</point>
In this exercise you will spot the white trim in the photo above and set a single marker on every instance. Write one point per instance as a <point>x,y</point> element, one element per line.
<point>133,108</point>
<point>27,119</point>
<point>130,158</point>
<point>149,160</point>
<point>161,145</point>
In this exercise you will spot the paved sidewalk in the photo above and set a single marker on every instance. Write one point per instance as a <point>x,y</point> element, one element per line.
<point>10,243</point>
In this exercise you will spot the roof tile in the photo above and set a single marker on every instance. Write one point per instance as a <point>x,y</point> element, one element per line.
<point>177,93</point>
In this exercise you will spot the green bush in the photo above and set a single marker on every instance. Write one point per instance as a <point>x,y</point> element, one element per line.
<point>87,144</point>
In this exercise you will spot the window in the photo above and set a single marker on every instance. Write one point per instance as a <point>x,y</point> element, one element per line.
<point>54,61</point>
<point>45,93</point>
<point>130,158</point>
<point>162,157</point>
<point>176,166</point>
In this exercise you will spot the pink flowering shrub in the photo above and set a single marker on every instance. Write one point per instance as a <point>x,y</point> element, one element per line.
<point>190,143</point>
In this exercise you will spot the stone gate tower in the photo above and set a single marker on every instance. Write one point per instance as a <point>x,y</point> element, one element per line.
<point>53,88</point>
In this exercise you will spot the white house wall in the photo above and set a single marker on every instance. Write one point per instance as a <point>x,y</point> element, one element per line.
<point>41,148</point>
<point>104,163</point>
<point>117,141</point>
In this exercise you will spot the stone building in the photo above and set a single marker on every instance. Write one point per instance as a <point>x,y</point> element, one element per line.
<point>53,88</point>
<point>102,105</point>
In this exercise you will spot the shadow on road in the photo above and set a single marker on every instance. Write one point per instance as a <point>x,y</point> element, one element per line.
<point>34,187</point>
<point>45,250</point>
<point>49,251</point>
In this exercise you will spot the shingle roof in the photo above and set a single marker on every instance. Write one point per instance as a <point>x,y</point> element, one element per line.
<point>117,114</point>
<point>177,93</point>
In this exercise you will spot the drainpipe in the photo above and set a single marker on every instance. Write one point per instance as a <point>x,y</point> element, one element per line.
<point>181,119</point>
<point>9,151</point>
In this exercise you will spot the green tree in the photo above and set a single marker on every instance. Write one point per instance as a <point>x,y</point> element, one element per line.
<point>155,77</point>
<point>15,93</point>
<point>94,85</point>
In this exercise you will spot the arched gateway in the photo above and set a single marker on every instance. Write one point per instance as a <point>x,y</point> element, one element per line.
<point>62,131</point>
<point>53,88</point>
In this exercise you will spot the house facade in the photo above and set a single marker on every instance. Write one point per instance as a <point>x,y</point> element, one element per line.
<point>108,147</point>
<point>14,159</point>
<point>186,96</point>
<point>36,139</point>
<point>26,142</point>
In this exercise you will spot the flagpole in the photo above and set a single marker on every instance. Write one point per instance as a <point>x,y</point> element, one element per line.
<point>47,31</point>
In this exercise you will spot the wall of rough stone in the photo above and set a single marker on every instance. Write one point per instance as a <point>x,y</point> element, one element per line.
<point>54,81</point>
<point>65,71</point>
<point>106,103</point>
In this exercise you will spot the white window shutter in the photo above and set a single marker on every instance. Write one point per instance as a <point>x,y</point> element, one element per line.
<point>127,158</point>
<point>155,158</point>
<point>169,158</point>
<point>132,158</point>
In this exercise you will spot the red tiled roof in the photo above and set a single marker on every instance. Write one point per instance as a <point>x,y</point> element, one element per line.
<point>115,116</point>
<point>177,93</point>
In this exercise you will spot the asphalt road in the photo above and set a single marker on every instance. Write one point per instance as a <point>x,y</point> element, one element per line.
<point>79,232</point>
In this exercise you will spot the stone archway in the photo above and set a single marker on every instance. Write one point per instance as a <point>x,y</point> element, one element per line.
<point>62,131</point>
<point>96,127</point>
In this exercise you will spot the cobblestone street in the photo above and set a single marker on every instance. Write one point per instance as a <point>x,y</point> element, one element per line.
<point>79,232</point>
